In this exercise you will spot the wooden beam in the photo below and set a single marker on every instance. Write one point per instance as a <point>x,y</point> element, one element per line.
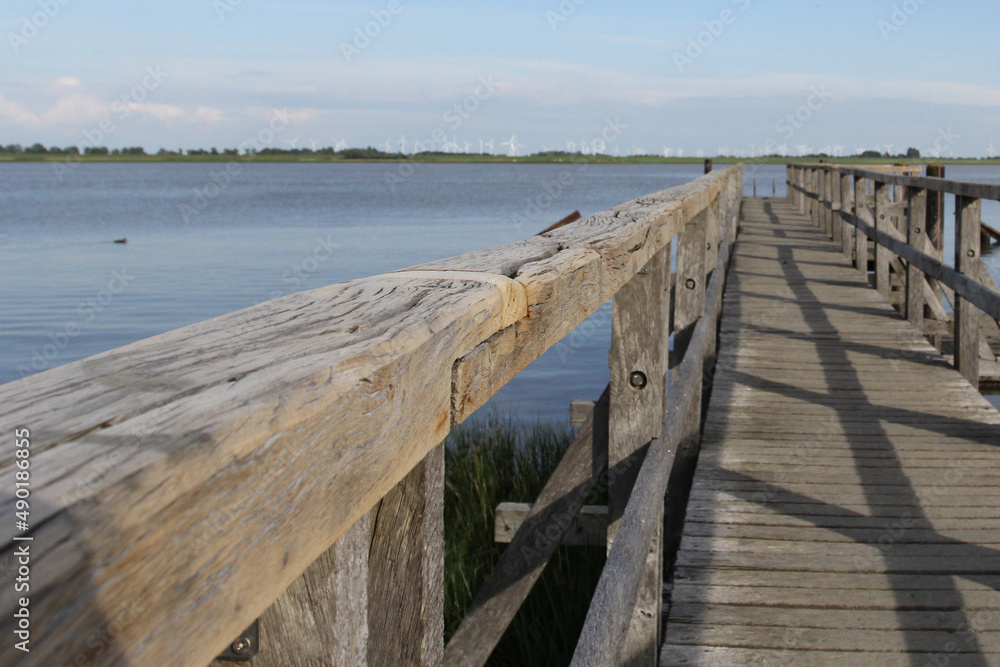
<point>881,252</point>
<point>638,384</point>
<point>846,209</point>
<point>967,260</point>
<point>860,240</point>
<point>322,619</point>
<point>406,570</point>
<point>589,528</point>
<point>916,236</point>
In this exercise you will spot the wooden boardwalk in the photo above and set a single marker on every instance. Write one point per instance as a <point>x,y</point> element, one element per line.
<point>845,506</point>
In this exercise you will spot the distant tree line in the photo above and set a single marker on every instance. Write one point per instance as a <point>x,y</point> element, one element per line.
<point>39,149</point>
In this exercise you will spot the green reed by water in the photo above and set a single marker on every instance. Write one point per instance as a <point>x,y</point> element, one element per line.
<point>493,461</point>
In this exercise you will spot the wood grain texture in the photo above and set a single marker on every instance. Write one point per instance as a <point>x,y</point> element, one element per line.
<point>322,619</point>
<point>589,528</point>
<point>325,400</point>
<point>882,254</point>
<point>916,234</point>
<point>840,514</point>
<point>968,259</point>
<point>406,570</point>
<point>639,340</point>
<point>860,240</point>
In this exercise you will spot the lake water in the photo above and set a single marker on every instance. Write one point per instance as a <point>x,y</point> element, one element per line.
<point>203,242</point>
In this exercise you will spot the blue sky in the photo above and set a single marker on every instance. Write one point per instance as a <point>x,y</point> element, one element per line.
<point>628,75</point>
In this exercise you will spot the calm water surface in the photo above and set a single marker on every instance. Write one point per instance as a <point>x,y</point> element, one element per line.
<point>201,245</point>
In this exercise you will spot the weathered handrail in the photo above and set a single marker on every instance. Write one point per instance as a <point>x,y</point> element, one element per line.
<point>907,229</point>
<point>182,484</point>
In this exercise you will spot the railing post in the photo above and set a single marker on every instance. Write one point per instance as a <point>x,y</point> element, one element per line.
<point>846,209</point>
<point>881,252</point>
<point>836,231</point>
<point>789,180</point>
<point>967,260</point>
<point>860,239</point>
<point>915,234</point>
<point>406,570</point>
<point>640,313</point>
<point>322,618</point>
<point>814,181</point>
<point>935,209</point>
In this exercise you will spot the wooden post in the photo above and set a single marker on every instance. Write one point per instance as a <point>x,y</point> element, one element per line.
<point>708,165</point>
<point>846,208</point>
<point>638,388</point>
<point>881,252</point>
<point>935,210</point>
<point>915,234</point>
<point>860,240</point>
<point>836,229</point>
<point>814,181</point>
<point>322,618</point>
<point>406,570</point>
<point>800,179</point>
<point>967,260</point>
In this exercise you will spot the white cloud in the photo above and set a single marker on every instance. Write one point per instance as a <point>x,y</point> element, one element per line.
<point>68,81</point>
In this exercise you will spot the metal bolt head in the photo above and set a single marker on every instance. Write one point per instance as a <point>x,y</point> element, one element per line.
<point>242,646</point>
<point>971,253</point>
<point>917,230</point>
<point>689,283</point>
<point>637,379</point>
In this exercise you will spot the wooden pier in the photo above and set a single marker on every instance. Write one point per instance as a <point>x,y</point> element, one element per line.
<point>267,486</point>
<point>844,510</point>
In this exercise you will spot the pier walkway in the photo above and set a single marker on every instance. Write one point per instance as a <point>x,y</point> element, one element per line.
<point>844,509</point>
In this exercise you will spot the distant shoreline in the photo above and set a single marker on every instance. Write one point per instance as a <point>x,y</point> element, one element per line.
<point>478,159</point>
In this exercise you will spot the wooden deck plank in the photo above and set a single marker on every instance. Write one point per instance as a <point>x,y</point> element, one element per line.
<point>844,510</point>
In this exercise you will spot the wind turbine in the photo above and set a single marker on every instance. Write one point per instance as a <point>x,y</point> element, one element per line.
<point>599,147</point>
<point>512,144</point>
<point>859,151</point>
<point>720,151</point>
<point>388,148</point>
<point>615,151</point>
<point>585,147</point>
<point>467,144</point>
<point>292,142</point>
<point>481,147</point>
<point>340,145</point>
<point>313,142</point>
<point>571,146</point>
<point>490,144</point>
<point>402,144</point>
<point>783,150</point>
<point>803,150</point>
<point>680,152</point>
<point>991,152</point>
<point>700,153</point>
<point>667,151</point>
<point>888,150</point>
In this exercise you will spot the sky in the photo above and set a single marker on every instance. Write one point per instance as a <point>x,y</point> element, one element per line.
<point>723,76</point>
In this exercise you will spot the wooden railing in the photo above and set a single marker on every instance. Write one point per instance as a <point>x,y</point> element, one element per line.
<point>901,215</point>
<point>285,462</point>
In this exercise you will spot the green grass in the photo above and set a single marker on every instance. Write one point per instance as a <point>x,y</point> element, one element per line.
<point>487,463</point>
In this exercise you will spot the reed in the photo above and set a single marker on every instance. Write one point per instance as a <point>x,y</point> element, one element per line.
<point>488,462</point>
